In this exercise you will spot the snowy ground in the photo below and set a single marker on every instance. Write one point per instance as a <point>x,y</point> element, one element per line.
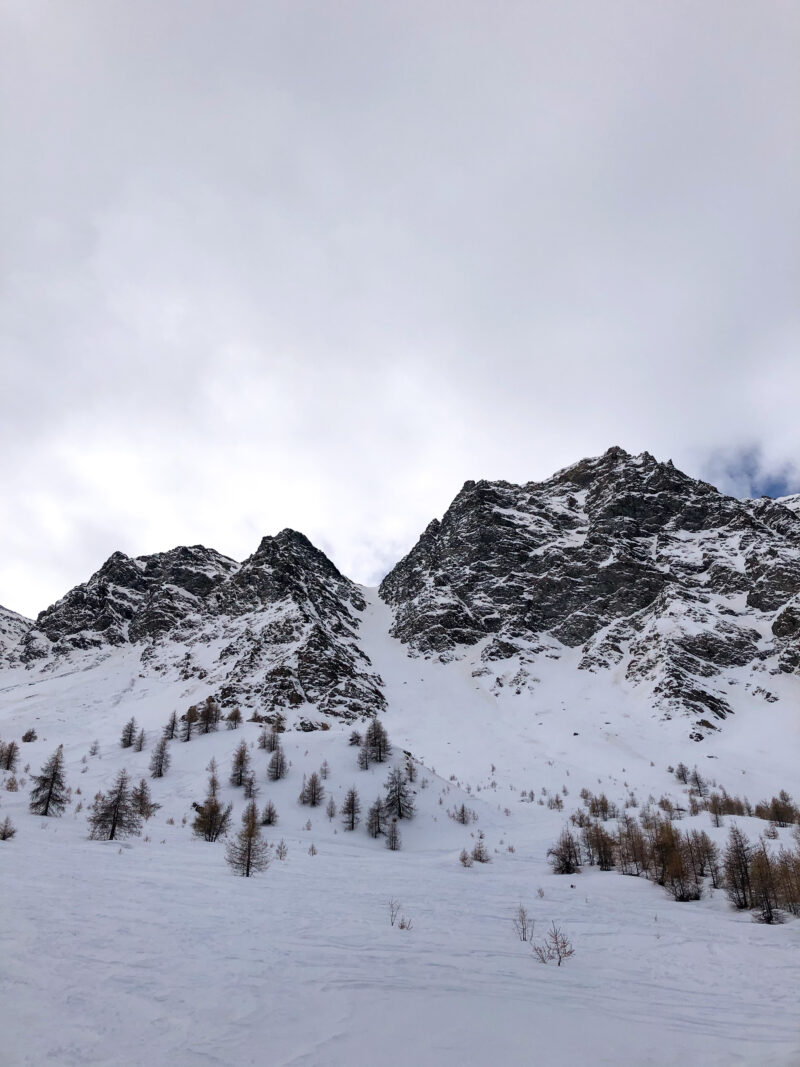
<point>150,951</point>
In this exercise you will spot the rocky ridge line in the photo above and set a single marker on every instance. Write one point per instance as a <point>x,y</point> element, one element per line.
<point>626,558</point>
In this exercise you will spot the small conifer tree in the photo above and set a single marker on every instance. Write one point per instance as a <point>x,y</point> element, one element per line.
<point>393,836</point>
<point>248,853</point>
<point>49,795</point>
<point>128,735</point>
<point>399,802</point>
<point>142,801</point>
<point>208,716</point>
<point>213,779</point>
<point>160,760</point>
<point>364,756</point>
<point>240,767</point>
<point>212,820</point>
<point>480,853</point>
<point>270,739</point>
<point>350,809</point>
<point>9,754</point>
<point>376,737</point>
<point>277,767</point>
<point>313,790</point>
<point>113,814</point>
<point>188,723</point>
<point>376,818</point>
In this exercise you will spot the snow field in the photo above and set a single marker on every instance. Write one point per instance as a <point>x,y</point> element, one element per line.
<point>152,951</point>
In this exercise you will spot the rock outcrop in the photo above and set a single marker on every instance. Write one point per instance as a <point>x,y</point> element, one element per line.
<point>277,631</point>
<point>626,558</point>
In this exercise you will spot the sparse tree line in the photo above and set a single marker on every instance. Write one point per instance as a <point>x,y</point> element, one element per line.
<point>779,810</point>
<point>121,810</point>
<point>753,876</point>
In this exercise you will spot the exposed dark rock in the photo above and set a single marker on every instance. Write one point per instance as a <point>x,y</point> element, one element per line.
<point>625,557</point>
<point>787,624</point>
<point>284,624</point>
<point>13,628</point>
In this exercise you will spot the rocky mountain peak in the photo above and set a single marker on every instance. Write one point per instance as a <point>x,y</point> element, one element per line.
<point>284,623</point>
<point>598,557</point>
<point>130,599</point>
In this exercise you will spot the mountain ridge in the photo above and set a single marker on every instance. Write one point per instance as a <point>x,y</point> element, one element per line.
<point>680,590</point>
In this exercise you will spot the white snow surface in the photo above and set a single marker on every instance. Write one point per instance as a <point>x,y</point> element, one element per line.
<point>792,502</point>
<point>150,951</point>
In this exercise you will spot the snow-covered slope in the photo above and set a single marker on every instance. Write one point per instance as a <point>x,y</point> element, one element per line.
<point>540,642</point>
<point>149,951</point>
<point>791,502</point>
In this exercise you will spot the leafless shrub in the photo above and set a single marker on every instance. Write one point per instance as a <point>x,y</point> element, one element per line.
<point>556,946</point>
<point>522,923</point>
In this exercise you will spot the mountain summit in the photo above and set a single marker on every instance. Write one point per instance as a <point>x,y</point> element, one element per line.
<point>650,573</point>
<point>278,630</point>
<point>618,564</point>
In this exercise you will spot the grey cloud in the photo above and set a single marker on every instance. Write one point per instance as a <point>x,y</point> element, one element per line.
<point>315,265</point>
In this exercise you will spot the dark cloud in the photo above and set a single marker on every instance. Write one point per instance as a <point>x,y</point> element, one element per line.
<point>314,265</point>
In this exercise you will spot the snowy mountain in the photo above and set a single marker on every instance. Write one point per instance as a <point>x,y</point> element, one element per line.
<point>675,590</point>
<point>278,629</point>
<point>545,658</point>
<point>653,575</point>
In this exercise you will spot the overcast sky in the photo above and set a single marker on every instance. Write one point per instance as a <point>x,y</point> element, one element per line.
<point>315,264</point>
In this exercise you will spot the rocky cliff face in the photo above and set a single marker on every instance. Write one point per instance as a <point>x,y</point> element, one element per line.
<point>642,568</point>
<point>13,628</point>
<point>277,631</point>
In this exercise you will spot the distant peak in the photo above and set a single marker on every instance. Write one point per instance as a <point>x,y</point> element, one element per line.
<point>287,534</point>
<point>287,539</point>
